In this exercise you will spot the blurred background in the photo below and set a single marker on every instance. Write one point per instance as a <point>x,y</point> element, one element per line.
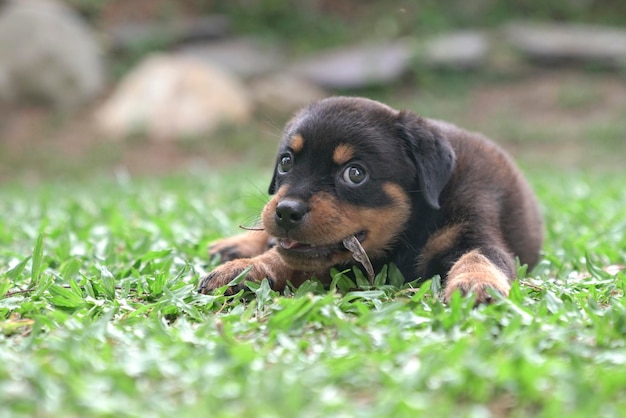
<point>148,87</point>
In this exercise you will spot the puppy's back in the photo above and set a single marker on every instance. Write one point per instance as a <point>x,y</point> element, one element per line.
<point>488,185</point>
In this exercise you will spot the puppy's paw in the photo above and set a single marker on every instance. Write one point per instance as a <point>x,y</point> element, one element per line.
<point>474,273</point>
<point>478,286</point>
<point>245,245</point>
<point>227,272</point>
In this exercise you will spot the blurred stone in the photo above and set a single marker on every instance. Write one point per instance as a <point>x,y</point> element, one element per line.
<point>168,97</point>
<point>245,57</point>
<point>283,93</point>
<point>131,34</point>
<point>551,43</point>
<point>460,50</point>
<point>357,66</point>
<point>48,53</point>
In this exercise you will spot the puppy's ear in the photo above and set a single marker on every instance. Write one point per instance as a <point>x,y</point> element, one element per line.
<point>431,153</point>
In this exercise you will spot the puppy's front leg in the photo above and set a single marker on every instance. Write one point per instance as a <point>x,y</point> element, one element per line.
<point>246,245</point>
<point>480,270</point>
<point>267,265</point>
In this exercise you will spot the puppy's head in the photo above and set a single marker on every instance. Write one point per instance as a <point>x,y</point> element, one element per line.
<point>351,167</point>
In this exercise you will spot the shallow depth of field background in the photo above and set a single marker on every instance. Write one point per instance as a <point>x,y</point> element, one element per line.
<point>135,132</point>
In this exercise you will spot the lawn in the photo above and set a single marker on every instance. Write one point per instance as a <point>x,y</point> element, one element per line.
<point>99,315</point>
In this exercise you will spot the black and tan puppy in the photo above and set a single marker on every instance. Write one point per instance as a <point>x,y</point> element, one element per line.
<point>419,193</point>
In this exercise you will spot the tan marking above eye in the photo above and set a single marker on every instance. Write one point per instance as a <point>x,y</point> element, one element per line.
<point>296,142</point>
<point>343,153</point>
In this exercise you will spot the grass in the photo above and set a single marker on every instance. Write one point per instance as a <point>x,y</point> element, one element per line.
<point>99,315</point>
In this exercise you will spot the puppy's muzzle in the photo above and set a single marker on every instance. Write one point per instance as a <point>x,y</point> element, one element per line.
<point>290,213</point>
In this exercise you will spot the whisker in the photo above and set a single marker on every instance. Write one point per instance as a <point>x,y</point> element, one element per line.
<point>252,221</point>
<point>251,228</point>
<point>271,128</point>
<point>261,196</point>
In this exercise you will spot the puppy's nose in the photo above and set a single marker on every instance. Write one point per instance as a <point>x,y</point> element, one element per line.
<point>289,213</point>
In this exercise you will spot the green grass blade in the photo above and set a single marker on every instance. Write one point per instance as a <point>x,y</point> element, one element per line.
<point>37,264</point>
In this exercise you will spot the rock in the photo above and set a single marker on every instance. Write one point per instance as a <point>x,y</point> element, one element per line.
<point>128,35</point>
<point>283,93</point>
<point>168,97</point>
<point>569,42</point>
<point>357,66</point>
<point>244,57</point>
<point>460,50</point>
<point>48,53</point>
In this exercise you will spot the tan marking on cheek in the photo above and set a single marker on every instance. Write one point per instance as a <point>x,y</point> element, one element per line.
<point>296,143</point>
<point>329,221</point>
<point>385,224</point>
<point>342,154</point>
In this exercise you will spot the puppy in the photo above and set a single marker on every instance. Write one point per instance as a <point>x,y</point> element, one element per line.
<point>423,194</point>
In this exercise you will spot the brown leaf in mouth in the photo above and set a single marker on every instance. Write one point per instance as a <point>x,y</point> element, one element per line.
<point>353,245</point>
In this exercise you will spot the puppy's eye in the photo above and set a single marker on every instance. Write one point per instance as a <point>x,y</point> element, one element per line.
<point>285,164</point>
<point>354,175</point>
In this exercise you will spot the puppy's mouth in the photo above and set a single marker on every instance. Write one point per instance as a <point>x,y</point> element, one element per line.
<point>299,249</point>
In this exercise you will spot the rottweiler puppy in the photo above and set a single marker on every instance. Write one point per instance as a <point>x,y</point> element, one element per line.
<point>423,194</point>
